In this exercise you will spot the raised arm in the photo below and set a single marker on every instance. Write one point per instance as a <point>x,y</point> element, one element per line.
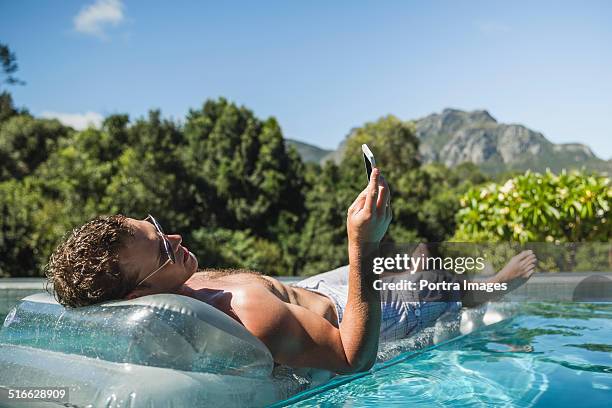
<point>367,222</point>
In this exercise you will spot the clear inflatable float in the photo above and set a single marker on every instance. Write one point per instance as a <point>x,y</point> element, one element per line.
<point>167,351</point>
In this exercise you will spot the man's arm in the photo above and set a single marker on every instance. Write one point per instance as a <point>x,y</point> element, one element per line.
<point>298,337</point>
<point>367,221</point>
<point>294,335</point>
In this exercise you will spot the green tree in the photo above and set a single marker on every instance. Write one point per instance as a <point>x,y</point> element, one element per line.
<point>30,227</point>
<point>8,59</point>
<point>253,177</point>
<point>223,248</point>
<point>25,143</point>
<point>436,202</point>
<point>393,143</point>
<point>323,241</point>
<point>7,108</point>
<point>151,175</point>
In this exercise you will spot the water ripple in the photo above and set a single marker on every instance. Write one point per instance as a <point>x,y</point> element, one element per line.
<point>522,362</point>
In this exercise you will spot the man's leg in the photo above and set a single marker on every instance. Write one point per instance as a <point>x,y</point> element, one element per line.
<point>515,273</point>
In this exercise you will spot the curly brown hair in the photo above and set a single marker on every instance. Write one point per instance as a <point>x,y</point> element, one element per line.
<point>84,269</point>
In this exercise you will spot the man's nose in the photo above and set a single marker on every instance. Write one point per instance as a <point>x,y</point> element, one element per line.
<point>175,240</point>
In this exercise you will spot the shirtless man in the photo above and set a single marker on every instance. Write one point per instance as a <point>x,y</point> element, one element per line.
<point>117,257</point>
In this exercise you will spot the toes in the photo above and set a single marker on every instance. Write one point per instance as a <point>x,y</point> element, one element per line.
<point>529,260</point>
<point>524,254</point>
<point>526,266</point>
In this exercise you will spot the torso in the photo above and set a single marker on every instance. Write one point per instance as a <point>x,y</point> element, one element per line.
<point>216,288</point>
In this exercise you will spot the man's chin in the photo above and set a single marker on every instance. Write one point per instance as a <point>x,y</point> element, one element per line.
<point>193,269</point>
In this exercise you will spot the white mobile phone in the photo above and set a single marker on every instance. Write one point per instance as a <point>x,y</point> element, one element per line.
<point>368,159</point>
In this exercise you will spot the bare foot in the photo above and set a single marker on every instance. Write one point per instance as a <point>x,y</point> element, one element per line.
<point>518,270</point>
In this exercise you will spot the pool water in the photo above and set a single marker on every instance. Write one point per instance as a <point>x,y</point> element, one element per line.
<point>550,354</point>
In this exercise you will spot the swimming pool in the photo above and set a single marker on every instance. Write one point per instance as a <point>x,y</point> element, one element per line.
<point>550,354</point>
<point>14,289</point>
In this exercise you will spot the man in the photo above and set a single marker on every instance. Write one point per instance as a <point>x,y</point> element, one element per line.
<point>118,257</point>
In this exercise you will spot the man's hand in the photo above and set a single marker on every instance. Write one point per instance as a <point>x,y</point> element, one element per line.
<point>370,214</point>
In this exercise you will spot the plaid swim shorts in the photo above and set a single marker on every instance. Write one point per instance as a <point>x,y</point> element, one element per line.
<point>404,312</point>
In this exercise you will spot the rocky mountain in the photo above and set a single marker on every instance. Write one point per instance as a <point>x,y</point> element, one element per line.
<point>455,136</point>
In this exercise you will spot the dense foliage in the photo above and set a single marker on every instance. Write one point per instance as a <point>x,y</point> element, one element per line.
<point>223,179</point>
<point>226,182</point>
<point>569,207</point>
<point>568,217</point>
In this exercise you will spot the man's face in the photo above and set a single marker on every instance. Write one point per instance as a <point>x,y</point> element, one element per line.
<point>145,253</point>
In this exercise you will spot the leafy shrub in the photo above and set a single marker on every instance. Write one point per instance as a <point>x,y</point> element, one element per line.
<point>534,207</point>
<point>558,211</point>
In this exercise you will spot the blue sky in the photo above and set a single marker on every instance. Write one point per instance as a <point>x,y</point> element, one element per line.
<point>321,68</point>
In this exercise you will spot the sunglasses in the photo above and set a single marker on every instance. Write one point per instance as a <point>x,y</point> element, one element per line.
<point>167,254</point>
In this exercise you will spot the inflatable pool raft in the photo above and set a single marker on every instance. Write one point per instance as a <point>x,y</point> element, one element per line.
<point>163,351</point>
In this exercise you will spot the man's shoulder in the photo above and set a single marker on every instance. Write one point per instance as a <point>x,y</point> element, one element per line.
<point>257,308</point>
<point>252,295</point>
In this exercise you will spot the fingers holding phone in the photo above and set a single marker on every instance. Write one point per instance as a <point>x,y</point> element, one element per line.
<point>383,205</point>
<point>370,214</point>
<point>368,160</point>
<point>384,201</point>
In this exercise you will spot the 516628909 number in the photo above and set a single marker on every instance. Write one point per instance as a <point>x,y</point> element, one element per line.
<point>55,394</point>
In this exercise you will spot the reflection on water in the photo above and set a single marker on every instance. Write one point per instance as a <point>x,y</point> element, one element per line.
<point>551,354</point>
